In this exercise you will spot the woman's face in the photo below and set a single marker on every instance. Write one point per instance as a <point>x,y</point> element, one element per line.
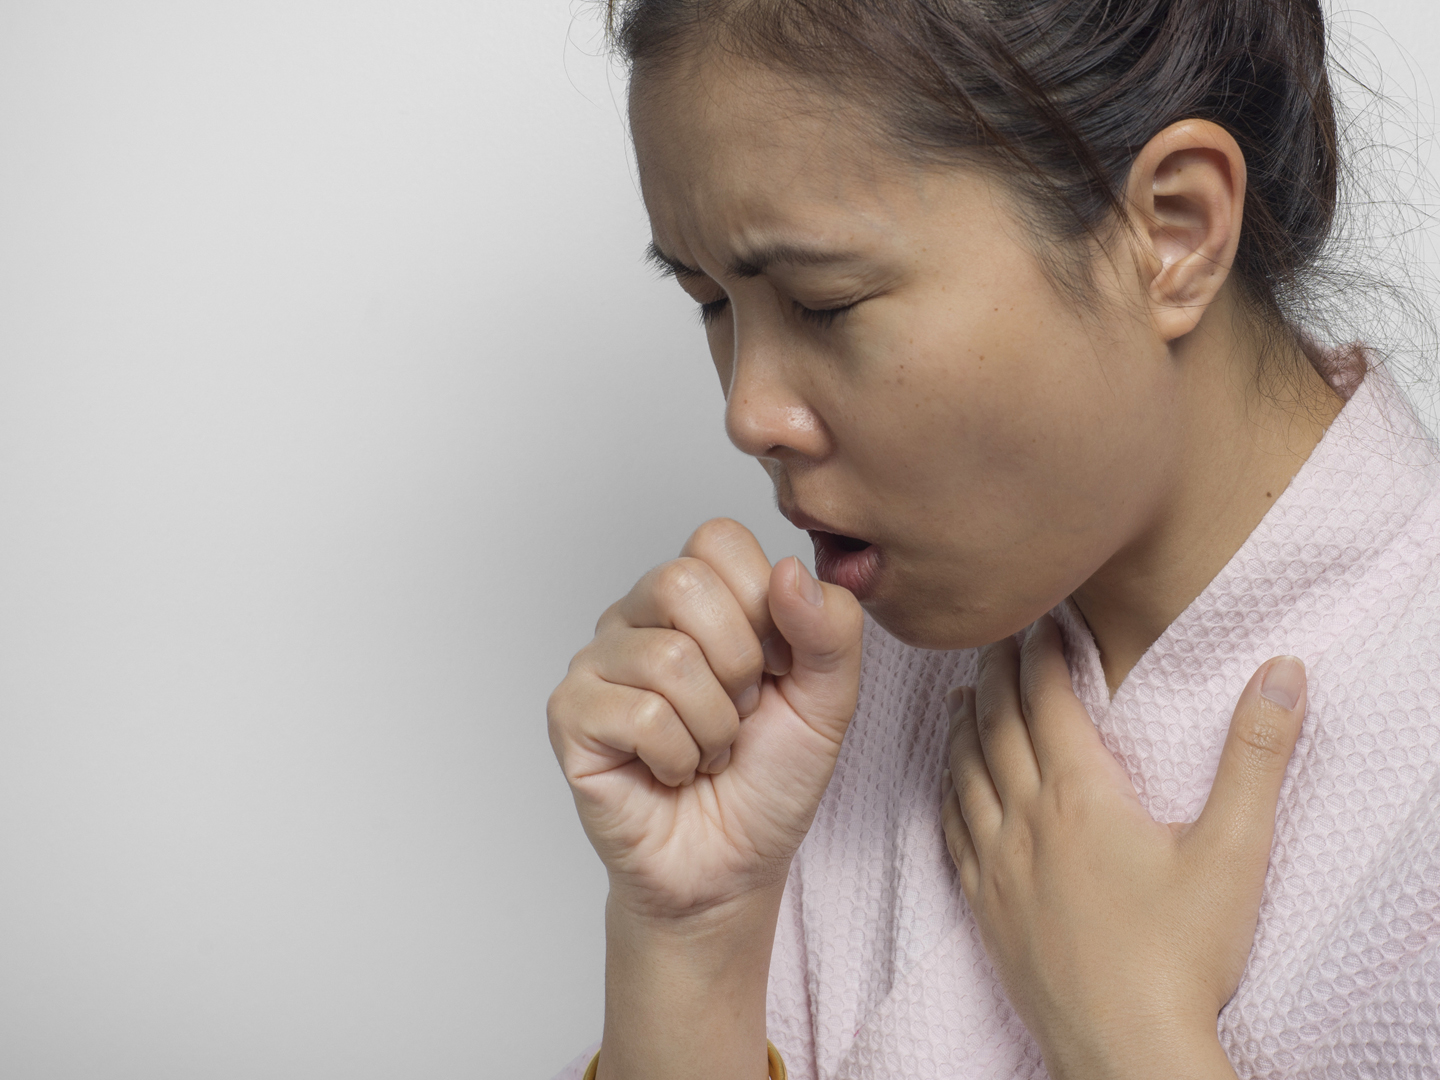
<point>893,353</point>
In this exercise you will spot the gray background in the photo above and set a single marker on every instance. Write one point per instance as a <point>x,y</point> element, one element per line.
<point>335,403</point>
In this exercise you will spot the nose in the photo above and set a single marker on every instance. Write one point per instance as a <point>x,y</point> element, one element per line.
<point>766,415</point>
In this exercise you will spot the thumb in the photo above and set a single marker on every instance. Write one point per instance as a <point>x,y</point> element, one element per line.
<point>823,625</point>
<point>1239,815</point>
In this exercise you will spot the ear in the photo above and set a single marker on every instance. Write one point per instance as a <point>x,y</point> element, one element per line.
<point>1186,193</point>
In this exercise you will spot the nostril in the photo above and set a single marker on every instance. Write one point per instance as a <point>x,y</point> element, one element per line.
<point>766,419</point>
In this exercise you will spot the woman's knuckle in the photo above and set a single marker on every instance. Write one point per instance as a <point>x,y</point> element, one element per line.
<point>556,712</point>
<point>956,845</point>
<point>673,657</point>
<point>587,657</point>
<point>987,717</point>
<point>1035,693</point>
<point>1069,801</point>
<point>959,755</point>
<point>1020,846</point>
<point>716,534</point>
<point>555,704</point>
<point>965,791</point>
<point>648,715</point>
<point>1263,738</point>
<point>560,706</point>
<point>677,581</point>
<point>609,617</point>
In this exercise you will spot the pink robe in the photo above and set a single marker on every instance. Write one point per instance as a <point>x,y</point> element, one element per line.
<point>878,972</point>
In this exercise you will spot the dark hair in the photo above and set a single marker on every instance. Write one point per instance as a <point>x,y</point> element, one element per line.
<point>1066,91</point>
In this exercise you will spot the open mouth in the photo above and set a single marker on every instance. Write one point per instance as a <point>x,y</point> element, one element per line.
<point>846,561</point>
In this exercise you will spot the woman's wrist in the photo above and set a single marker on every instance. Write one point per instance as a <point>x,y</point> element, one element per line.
<point>685,995</point>
<point>690,912</point>
<point>715,934</point>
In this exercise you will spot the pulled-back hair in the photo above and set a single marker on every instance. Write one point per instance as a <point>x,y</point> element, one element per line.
<point>1063,94</point>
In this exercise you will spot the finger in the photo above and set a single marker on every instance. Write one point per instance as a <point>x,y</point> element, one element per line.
<point>823,625</point>
<point>1000,722</point>
<point>978,801</point>
<point>671,664</point>
<point>1239,816</point>
<point>616,725</point>
<point>1061,732</point>
<point>688,595</point>
<point>957,836</point>
<point>732,551</point>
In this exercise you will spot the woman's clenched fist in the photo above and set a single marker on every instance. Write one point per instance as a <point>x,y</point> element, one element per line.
<point>699,728</point>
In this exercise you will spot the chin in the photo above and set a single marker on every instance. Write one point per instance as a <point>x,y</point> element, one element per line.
<point>923,625</point>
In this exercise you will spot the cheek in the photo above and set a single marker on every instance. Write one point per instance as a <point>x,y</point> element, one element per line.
<point>941,400</point>
<point>1006,443</point>
<point>1027,391</point>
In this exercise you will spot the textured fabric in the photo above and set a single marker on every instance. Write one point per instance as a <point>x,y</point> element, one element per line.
<point>878,969</point>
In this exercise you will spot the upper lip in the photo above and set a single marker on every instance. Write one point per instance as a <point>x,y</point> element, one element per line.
<point>802,520</point>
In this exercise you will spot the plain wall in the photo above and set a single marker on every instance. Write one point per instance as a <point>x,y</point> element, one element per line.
<point>335,404</point>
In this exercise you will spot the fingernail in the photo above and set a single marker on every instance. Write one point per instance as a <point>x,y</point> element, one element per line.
<point>807,586</point>
<point>1284,682</point>
<point>718,763</point>
<point>748,700</point>
<point>777,662</point>
<point>955,701</point>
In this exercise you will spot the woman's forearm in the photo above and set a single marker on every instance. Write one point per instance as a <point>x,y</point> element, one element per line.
<point>685,998</point>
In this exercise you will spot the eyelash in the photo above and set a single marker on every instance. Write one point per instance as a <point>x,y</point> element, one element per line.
<point>713,310</point>
<point>821,317</point>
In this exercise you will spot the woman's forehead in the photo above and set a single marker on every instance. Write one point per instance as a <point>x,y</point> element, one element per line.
<point>739,149</point>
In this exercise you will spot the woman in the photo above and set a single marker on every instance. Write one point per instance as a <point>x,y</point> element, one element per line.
<point>1001,295</point>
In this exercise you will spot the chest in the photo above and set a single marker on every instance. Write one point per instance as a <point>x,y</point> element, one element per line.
<point>1349,923</point>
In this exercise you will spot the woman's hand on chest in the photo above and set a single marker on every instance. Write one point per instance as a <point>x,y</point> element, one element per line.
<point>1117,938</point>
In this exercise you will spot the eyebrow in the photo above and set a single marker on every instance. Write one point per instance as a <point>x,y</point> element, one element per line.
<point>787,255</point>
<point>755,264</point>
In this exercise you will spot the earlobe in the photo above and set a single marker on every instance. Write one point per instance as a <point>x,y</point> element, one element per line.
<point>1187,191</point>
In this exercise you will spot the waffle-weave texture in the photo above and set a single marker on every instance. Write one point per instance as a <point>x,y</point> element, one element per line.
<point>878,970</point>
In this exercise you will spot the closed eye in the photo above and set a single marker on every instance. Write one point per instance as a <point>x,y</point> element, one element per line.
<point>711,311</point>
<point>822,317</point>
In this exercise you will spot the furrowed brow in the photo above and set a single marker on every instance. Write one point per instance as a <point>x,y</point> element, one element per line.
<point>754,264</point>
<point>787,255</point>
<point>668,265</point>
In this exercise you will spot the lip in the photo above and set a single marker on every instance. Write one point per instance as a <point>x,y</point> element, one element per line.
<point>837,561</point>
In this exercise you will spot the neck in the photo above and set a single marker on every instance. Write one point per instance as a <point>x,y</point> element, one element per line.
<point>1242,441</point>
